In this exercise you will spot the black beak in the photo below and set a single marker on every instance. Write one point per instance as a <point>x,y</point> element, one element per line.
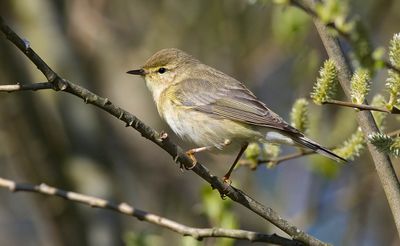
<point>137,72</point>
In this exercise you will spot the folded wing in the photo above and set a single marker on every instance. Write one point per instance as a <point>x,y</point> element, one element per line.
<point>232,101</point>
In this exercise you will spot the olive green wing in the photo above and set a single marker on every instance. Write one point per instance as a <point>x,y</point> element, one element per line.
<point>232,101</point>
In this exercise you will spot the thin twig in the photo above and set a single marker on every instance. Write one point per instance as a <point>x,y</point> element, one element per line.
<point>165,143</point>
<point>395,133</point>
<point>287,157</point>
<point>26,87</point>
<point>126,209</point>
<point>358,106</point>
<point>276,161</point>
<point>389,65</point>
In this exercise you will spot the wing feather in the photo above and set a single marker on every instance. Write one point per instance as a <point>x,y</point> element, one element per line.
<point>232,101</point>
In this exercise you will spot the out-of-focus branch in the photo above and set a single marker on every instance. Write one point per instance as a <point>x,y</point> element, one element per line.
<point>161,140</point>
<point>276,161</point>
<point>383,164</point>
<point>124,208</point>
<point>394,133</point>
<point>287,157</point>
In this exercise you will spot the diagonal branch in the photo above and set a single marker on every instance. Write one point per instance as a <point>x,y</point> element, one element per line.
<point>307,8</point>
<point>383,164</point>
<point>123,208</point>
<point>164,142</point>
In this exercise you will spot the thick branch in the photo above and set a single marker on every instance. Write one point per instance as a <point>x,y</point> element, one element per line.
<point>124,208</point>
<point>174,150</point>
<point>367,123</point>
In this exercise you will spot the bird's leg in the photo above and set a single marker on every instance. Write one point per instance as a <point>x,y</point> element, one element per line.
<point>191,153</point>
<point>228,174</point>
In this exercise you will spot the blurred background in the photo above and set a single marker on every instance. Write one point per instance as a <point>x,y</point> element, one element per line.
<point>55,138</point>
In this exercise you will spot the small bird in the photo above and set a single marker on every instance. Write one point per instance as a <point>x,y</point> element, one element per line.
<point>214,110</point>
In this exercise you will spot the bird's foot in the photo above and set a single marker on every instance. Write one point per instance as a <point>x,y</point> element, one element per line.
<point>190,153</point>
<point>227,184</point>
<point>163,135</point>
<point>227,180</point>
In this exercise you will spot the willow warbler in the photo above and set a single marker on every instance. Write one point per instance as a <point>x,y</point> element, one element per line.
<point>212,109</point>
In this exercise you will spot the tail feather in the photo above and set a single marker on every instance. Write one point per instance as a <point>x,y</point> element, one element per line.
<point>306,142</point>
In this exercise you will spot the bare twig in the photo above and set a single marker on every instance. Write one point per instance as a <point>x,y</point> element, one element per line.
<point>383,164</point>
<point>124,208</point>
<point>395,133</point>
<point>276,161</point>
<point>287,157</point>
<point>359,106</point>
<point>26,87</point>
<point>174,150</point>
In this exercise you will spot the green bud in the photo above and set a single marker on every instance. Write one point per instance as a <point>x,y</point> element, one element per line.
<point>353,146</point>
<point>325,87</point>
<point>385,143</point>
<point>360,86</point>
<point>393,80</point>
<point>299,115</point>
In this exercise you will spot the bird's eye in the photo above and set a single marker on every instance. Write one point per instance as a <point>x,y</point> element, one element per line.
<point>162,70</point>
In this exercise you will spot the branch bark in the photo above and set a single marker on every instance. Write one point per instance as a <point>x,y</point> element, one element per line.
<point>176,152</point>
<point>126,209</point>
<point>359,106</point>
<point>383,164</point>
<point>26,87</point>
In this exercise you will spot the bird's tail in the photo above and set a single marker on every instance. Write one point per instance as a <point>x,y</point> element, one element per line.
<point>306,142</point>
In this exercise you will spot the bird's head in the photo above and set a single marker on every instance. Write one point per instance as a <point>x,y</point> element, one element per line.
<point>164,68</point>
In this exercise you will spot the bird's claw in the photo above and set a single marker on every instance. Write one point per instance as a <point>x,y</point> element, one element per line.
<point>163,135</point>
<point>227,180</point>
<point>194,161</point>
